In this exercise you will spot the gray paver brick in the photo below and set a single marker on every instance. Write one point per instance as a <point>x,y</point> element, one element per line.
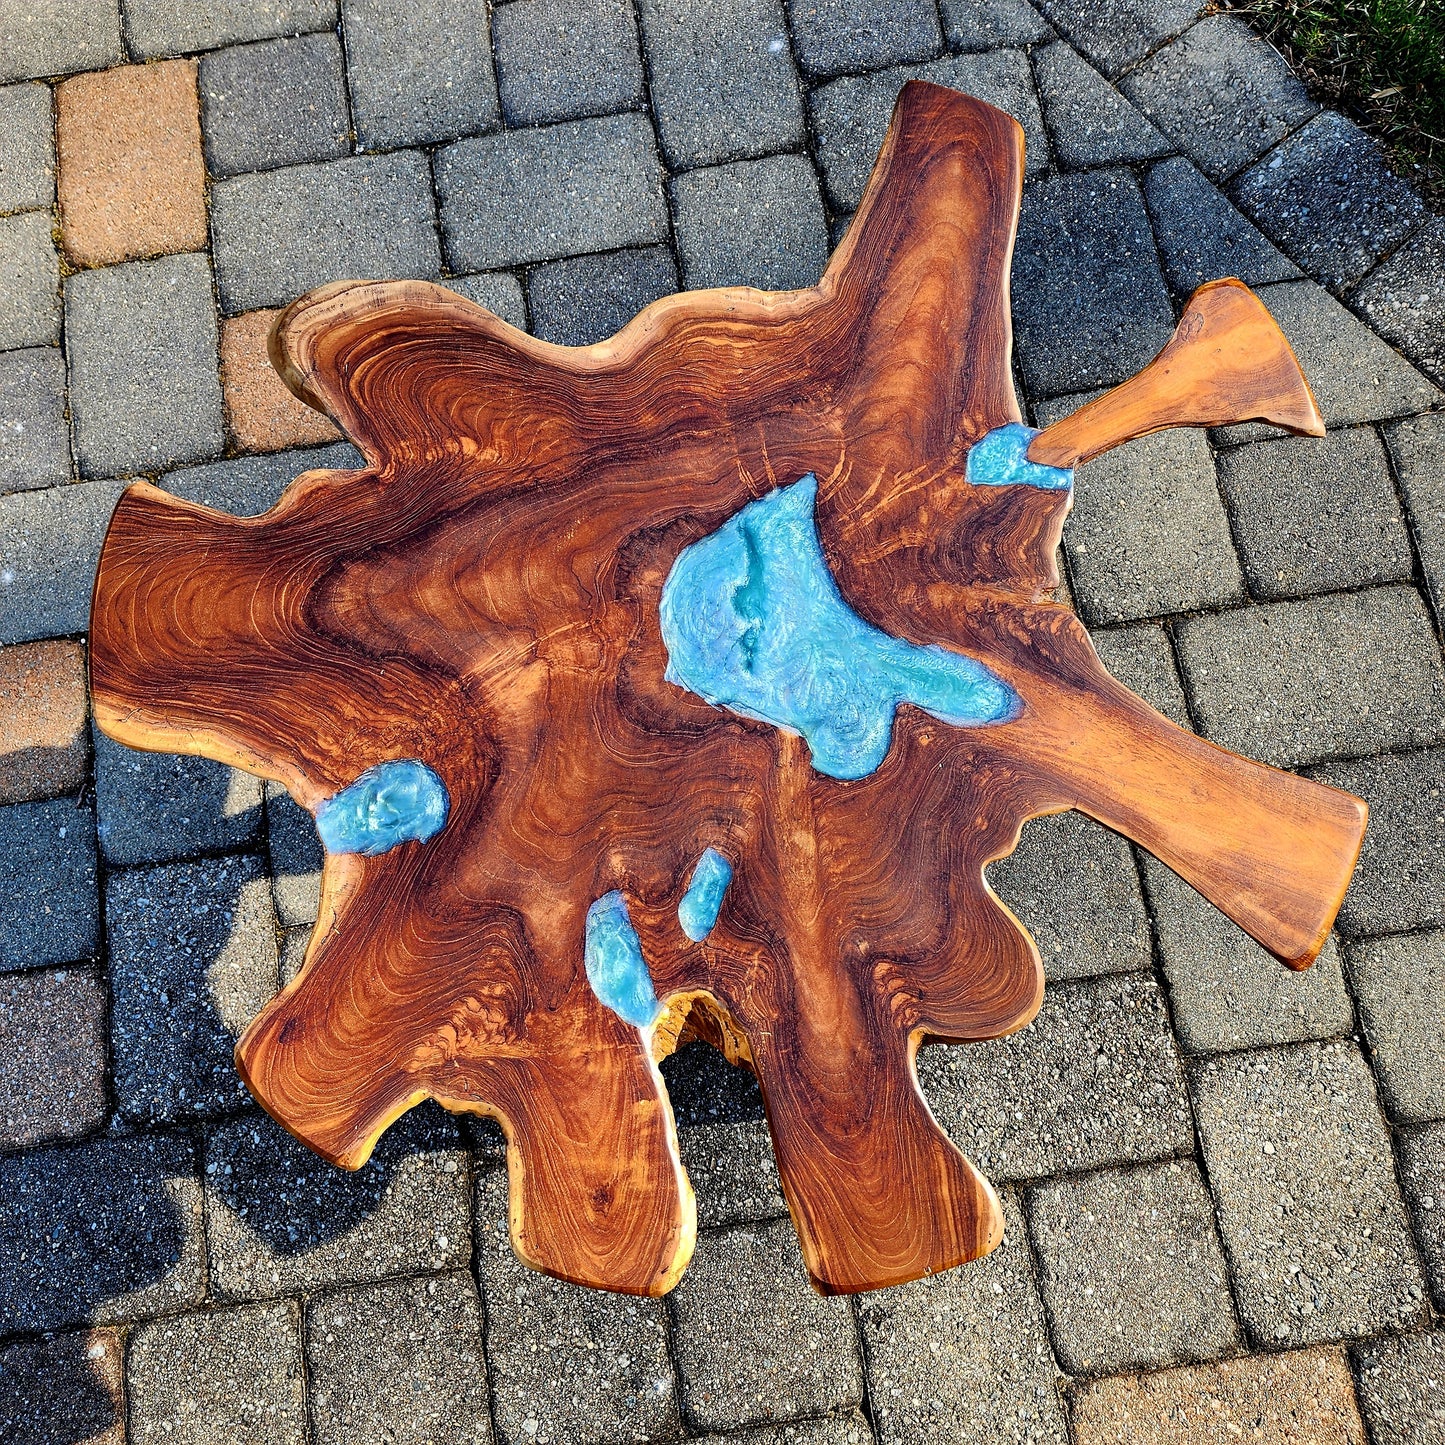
<point>247,486</point>
<point>1090,123</point>
<point>56,37</point>
<point>52,1055</point>
<point>1330,200</point>
<point>1131,1269</point>
<point>47,879</point>
<point>1142,658</point>
<point>563,190</point>
<point>281,1219</point>
<point>34,432</point>
<point>964,1356</point>
<point>1114,34</point>
<point>991,24</point>
<point>706,1089</point>
<point>1422,1172</point>
<point>144,389</point>
<point>1073,884</point>
<point>1227,992</point>
<point>121,1219</point>
<point>1417,447</point>
<point>296,857</point>
<point>27,163</point>
<point>1401,1385</point>
<point>192,960</point>
<point>1267,681</point>
<point>1400,984</point>
<point>62,1389</point>
<point>733,1171</point>
<point>400,1362</point>
<point>1304,1185</point>
<point>29,281</point>
<point>849,1428</point>
<point>220,1377</point>
<point>837,35</point>
<point>566,59</point>
<point>275,103</point>
<point>589,298</point>
<point>1094,1080</point>
<point>499,291</point>
<point>280,233</point>
<point>294,943</point>
<point>1404,299</point>
<point>173,27</point>
<point>752,223</point>
<point>799,1355</point>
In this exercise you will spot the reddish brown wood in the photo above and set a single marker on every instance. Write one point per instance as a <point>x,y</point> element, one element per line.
<point>483,595</point>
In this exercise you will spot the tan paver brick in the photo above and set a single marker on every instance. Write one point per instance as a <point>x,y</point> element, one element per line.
<point>262,415</point>
<point>42,720</point>
<point>131,179</point>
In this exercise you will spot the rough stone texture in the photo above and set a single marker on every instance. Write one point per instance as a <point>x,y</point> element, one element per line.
<point>733,1172</point>
<point>499,291</point>
<point>1400,985</point>
<point>34,433</point>
<point>64,1389</point>
<point>1305,1397</point>
<point>44,748</point>
<point>1422,1172</point>
<point>282,1220</point>
<point>55,37</point>
<point>141,341</point>
<point>227,1375</point>
<point>849,1428</point>
<point>192,960</point>
<point>705,1089</point>
<point>837,35</point>
<point>280,233</point>
<point>566,59</point>
<point>1142,658</point>
<point>536,195</point>
<point>1267,681</point>
<point>169,27</point>
<point>296,857</point>
<point>587,299</point>
<point>1304,1186</point>
<point>262,415</point>
<point>1131,1269</point>
<point>27,163</point>
<point>275,103</point>
<point>801,1352</point>
<point>47,879</point>
<point>1417,447</point>
<point>400,1362</point>
<point>1330,200</point>
<point>121,1221</point>
<point>1114,34</point>
<point>570,1365</point>
<point>964,1356</point>
<point>29,282</point>
<point>52,1056</point>
<point>1073,884</point>
<point>1404,299</point>
<point>1226,991</point>
<point>247,486</point>
<point>294,943</point>
<point>1402,1388</point>
<point>991,24</point>
<point>1090,123</point>
<point>1094,1080</point>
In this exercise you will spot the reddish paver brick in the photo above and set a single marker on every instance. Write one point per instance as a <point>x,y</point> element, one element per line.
<point>131,179</point>
<point>63,1390</point>
<point>262,415</point>
<point>43,746</point>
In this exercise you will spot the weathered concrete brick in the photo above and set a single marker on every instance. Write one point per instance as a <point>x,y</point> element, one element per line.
<point>63,1389</point>
<point>991,24</point>
<point>1304,1184</point>
<point>29,282</point>
<point>47,879</point>
<point>280,233</point>
<point>1417,447</point>
<point>44,745</point>
<point>121,1221</point>
<point>1094,1080</point>
<point>296,857</point>
<point>706,1089</point>
<point>1402,1388</point>
<point>849,1428</point>
<point>34,431</point>
<point>499,291</point>
<point>1422,1172</point>
<point>261,414</point>
<point>294,943</point>
<point>1267,681</point>
<point>172,27</point>
<point>247,486</point>
<point>589,298</point>
<point>1114,34</point>
<point>566,59</point>
<point>56,37</point>
<point>563,190</point>
<point>837,35</point>
<point>1400,984</point>
<point>27,165</point>
<point>1142,658</point>
<point>1090,123</point>
<point>52,1056</point>
<point>1404,299</point>
<point>733,1171</point>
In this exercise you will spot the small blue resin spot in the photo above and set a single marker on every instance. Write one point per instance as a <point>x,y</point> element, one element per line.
<point>698,910</point>
<point>1000,459</point>
<point>615,966</point>
<point>391,803</point>
<point>754,622</point>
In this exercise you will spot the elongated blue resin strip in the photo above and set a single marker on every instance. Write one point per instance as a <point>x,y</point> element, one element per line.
<point>698,909</point>
<point>616,968</point>
<point>754,622</point>
<point>1000,459</point>
<point>397,802</point>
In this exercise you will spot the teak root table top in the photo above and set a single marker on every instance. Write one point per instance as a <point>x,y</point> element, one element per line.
<point>682,686</point>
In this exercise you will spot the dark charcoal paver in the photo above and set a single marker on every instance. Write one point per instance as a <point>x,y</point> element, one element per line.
<point>733,1171</point>
<point>29,282</point>
<point>1227,992</point>
<point>247,486</point>
<point>34,432</point>
<point>991,24</point>
<point>799,1355</point>
<point>837,35</point>
<point>227,1375</point>
<point>144,389</point>
<point>1400,984</point>
<point>56,37</point>
<point>420,70</point>
<point>192,960</point>
<point>563,190</point>
<point>63,1389</point>
<point>1404,299</point>
<point>1094,1080</point>
<point>706,1089</point>
<point>1267,681</point>
<point>964,1356</point>
<point>499,291</point>
<point>589,298</point>
<point>296,857</point>
<point>1422,1172</point>
<point>118,1225</point>
<point>566,59</point>
<point>1142,658</point>
<point>1114,34</point>
<point>282,1220</point>
<point>1329,199</point>
<point>52,1055</point>
<point>1131,1269</point>
<point>1401,1385</point>
<point>27,166</point>
<point>276,103</point>
<point>1304,1184</point>
<point>173,27</point>
<point>1417,447</point>
<point>278,234</point>
<point>400,1362</point>
<point>47,879</point>
<point>1073,884</point>
<point>1090,123</point>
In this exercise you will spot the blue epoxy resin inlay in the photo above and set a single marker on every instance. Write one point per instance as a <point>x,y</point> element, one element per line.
<point>616,968</point>
<point>754,622</point>
<point>398,802</point>
<point>1000,459</point>
<point>698,910</point>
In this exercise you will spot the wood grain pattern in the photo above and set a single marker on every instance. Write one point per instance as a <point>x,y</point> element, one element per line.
<point>483,596</point>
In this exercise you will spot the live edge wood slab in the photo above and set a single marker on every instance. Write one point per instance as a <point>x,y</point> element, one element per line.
<point>551,599</point>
